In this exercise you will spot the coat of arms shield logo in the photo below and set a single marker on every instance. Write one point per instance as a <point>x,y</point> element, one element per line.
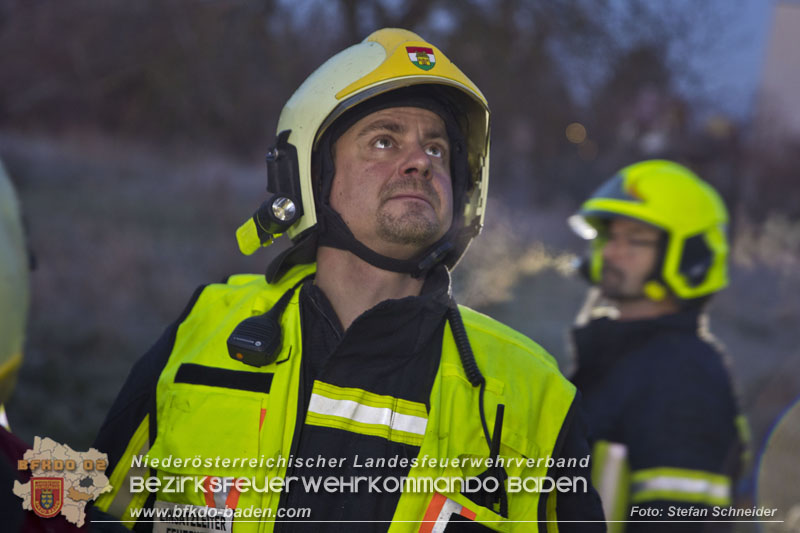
<point>47,495</point>
<point>422,57</point>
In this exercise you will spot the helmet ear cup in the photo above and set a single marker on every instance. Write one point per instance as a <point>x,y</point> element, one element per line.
<point>696,260</point>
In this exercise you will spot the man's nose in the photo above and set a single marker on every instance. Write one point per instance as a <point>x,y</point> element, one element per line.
<point>416,161</point>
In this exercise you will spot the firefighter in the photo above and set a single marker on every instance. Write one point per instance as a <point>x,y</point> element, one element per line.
<point>14,298</point>
<point>664,422</point>
<point>15,263</point>
<point>351,361</point>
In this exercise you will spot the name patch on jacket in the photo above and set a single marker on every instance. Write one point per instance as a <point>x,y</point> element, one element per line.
<point>222,377</point>
<point>171,517</point>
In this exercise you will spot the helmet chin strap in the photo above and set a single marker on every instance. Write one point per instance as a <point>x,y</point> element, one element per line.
<point>332,229</point>
<point>333,232</point>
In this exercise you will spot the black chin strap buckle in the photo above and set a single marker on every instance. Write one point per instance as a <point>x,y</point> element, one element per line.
<point>436,255</point>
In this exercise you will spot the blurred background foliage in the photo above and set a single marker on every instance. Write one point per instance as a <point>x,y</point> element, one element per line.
<point>135,133</point>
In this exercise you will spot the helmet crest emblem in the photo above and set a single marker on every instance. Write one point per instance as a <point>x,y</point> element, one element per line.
<point>423,58</point>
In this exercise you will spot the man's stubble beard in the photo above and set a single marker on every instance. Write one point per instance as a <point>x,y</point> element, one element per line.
<point>412,227</point>
<point>614,288</point>
<point>620,296</point>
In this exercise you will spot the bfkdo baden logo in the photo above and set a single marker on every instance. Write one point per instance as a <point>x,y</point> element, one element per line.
<point>47,495</point>
<point>62,480</point>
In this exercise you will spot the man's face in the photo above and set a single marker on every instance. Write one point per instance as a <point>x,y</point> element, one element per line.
<point>629,258</point>
<point>392,182</point>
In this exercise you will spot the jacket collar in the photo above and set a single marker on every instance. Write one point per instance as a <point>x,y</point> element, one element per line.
<point>388,322</point>
<point>602,342</point>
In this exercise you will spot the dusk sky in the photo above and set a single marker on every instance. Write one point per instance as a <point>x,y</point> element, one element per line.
<point>734,71</point>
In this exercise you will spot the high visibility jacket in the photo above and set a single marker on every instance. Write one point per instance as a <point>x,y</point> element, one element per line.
<point>209,407</point>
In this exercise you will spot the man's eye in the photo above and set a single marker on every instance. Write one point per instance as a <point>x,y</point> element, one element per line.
<point>383,143</point>
<point>434,151</point>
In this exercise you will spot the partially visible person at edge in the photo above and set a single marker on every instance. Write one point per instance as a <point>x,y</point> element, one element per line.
<point>14,298</point>
<point>668,439</point>
<point>379,176</point>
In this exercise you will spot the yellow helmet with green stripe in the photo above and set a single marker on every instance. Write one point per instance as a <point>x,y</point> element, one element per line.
<point>672,198</point>
<point>387,60</point>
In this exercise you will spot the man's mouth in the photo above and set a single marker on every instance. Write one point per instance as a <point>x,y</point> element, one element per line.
<point>412,190</point>
<point>411,196</point>
<point>611,273</point>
